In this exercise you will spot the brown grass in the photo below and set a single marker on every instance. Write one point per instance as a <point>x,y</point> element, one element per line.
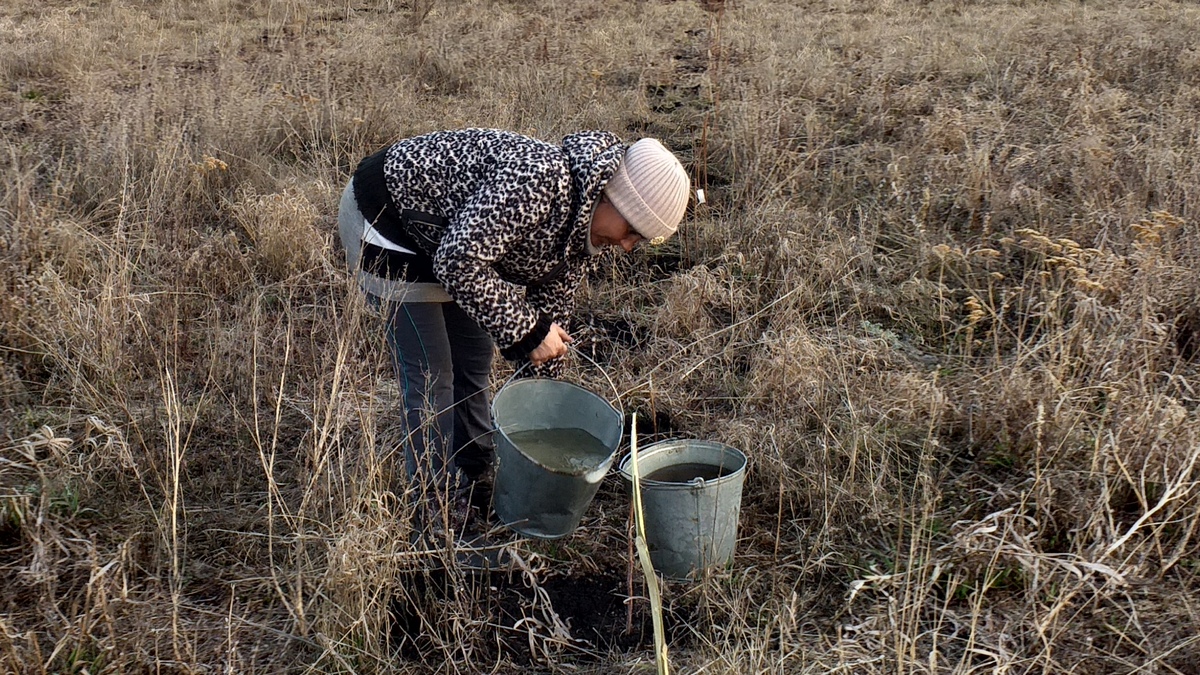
<point>943,294</point>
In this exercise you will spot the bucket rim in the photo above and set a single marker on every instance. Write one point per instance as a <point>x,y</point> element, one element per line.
<point>625,465</point>
<point>518,383</point>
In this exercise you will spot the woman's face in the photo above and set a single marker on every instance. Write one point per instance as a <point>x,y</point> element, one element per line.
<point>609,228</point>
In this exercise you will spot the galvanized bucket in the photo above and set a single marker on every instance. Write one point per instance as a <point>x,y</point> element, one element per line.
<point>529,497</point>
<point>690,526</point>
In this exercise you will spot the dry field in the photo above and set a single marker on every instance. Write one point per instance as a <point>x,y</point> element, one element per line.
<point>945,294</point>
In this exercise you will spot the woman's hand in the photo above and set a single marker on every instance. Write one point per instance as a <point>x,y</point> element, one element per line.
<point>554,346</point>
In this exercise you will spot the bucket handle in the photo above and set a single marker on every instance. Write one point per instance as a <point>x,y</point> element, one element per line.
<point>616,392</point>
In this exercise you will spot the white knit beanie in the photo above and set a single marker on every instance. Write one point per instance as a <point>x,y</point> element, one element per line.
<point>650,190</point>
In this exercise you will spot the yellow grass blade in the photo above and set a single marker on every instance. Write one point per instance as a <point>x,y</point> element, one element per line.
<point>660,640</point>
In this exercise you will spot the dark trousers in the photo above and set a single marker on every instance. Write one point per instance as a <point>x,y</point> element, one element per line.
<point>443,361</point>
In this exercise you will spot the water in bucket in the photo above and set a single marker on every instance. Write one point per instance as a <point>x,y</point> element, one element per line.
<point>565,450</point>
<point>687,472</point>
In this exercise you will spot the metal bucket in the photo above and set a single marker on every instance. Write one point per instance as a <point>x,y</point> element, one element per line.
<point>690,526</point>
<point>529,497</point>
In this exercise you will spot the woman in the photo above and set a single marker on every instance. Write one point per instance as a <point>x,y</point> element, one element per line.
<point>477,238</point>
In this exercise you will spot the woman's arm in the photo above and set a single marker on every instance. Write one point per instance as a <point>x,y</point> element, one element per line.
<point>512,205</point>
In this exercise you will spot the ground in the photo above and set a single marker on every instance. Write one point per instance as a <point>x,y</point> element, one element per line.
<point>942,293</point>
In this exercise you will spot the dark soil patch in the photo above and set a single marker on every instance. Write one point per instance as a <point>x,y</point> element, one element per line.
<point>510,618</point>
<point>616,331</point>
<point>1187,335</point>
<point>651,425</point>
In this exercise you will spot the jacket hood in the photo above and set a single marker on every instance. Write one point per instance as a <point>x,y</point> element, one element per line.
<point>593,158</point>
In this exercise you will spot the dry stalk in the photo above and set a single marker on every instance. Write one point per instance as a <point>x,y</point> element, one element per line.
<point>661,660</point>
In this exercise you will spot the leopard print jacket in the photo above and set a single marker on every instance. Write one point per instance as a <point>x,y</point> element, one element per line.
<point>513,246</point>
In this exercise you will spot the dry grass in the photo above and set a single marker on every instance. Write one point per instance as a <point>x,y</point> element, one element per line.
<point>944,295</point>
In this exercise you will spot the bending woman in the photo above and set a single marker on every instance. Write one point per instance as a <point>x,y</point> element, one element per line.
<point>474,239</point>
